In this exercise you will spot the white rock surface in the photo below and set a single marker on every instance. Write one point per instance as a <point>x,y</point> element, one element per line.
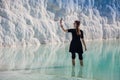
<point>32,22</point>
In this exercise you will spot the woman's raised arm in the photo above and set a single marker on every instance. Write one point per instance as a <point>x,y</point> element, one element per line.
<point>61,25</point>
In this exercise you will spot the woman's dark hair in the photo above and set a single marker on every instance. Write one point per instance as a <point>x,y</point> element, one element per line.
<point>77,27</point>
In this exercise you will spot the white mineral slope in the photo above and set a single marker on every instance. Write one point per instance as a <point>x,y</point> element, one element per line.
<point>33,22</point>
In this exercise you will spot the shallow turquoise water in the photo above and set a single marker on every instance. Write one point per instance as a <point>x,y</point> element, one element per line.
<point>53,62</point>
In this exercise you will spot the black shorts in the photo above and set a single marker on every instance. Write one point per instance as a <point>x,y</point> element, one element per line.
<point>79,55</point>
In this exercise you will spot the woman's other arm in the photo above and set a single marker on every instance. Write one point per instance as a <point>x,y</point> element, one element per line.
<point>83,41</point>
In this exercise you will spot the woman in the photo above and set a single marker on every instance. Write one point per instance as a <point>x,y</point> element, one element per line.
<point>76,45</point>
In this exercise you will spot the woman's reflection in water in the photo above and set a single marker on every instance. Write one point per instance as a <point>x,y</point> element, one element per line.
<point>73,71</point>
<point>79,74</point>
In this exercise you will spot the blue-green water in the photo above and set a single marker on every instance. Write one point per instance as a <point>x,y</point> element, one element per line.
<point>53,62</point>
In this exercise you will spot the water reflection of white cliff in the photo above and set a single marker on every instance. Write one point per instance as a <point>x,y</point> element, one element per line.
<point>33,57</point>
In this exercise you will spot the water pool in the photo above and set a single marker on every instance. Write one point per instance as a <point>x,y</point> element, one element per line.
<point>53,62</point>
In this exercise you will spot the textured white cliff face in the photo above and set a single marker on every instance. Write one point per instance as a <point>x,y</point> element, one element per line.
<point>32,22</point>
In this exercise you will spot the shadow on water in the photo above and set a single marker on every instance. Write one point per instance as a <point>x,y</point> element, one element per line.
<point>101,60</point>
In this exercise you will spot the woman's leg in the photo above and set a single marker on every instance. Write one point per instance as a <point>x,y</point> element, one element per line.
<point>81,62</point>
<point>81,59</point>
<point>73,59</point>
<point>73,62</point>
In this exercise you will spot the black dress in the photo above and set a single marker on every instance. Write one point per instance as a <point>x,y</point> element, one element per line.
<point>76,45</point>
